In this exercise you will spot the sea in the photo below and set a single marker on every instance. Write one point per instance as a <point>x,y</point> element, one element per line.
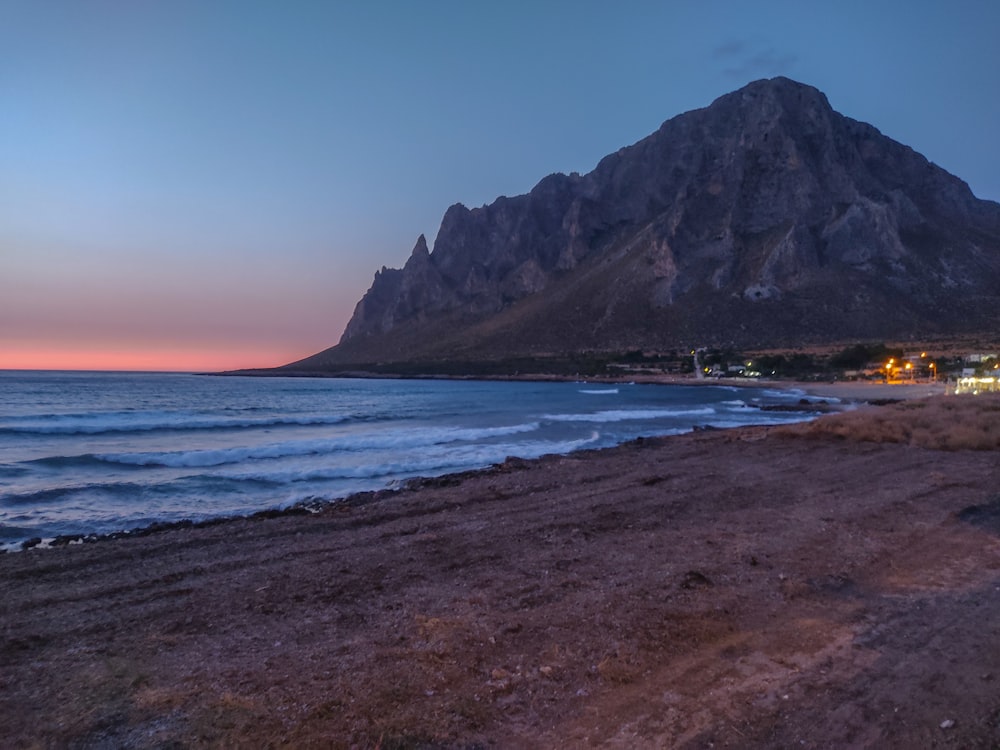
<point>91,453</point>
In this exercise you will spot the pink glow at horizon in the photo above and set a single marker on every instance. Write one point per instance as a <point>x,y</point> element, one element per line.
<point>137,358</point>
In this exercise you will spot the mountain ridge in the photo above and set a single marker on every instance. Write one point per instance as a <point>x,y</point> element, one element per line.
<point>766,218</point>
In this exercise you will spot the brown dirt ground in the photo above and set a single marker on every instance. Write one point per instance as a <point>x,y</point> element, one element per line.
<point>745,588</point>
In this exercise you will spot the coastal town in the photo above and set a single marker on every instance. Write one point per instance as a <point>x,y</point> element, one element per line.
<point>958,371</point>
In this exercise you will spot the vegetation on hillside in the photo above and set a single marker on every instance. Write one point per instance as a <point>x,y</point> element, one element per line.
<point>861,361</point>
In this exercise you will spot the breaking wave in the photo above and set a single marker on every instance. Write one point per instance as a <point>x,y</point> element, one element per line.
<point>442,458</point>
<point>390,440</point>
<point>128,421</point>
<point>99,451</point>
<point>622,415</point>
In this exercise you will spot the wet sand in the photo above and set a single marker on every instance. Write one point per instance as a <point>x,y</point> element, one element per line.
<point>757,587</point>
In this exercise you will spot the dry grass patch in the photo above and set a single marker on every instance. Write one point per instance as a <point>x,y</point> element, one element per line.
<point>940,423</point>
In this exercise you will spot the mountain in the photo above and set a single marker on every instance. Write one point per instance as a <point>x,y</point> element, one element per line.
<point>765,219</point>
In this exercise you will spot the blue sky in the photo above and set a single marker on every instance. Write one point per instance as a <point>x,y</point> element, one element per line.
<point>188,179</point>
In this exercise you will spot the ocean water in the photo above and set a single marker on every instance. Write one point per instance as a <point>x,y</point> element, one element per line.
<point>84,453</point>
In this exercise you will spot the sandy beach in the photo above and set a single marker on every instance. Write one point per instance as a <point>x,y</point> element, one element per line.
<point>849,391</point>
<point>857,391</point>
<point>833,584</point>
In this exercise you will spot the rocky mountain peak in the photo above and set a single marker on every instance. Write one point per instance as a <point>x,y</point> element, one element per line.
<point>766,217</point>
<point>420,248</point>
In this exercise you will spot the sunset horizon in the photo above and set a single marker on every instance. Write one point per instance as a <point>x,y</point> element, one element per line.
<point>164,359</point>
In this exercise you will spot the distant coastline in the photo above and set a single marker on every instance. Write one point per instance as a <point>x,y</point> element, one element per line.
<point>855,391</point>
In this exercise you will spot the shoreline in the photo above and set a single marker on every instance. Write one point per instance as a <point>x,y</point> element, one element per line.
<point>751,587</point>
<point>847,393</point>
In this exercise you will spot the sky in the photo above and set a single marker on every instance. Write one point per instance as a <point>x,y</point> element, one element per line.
<point>212,184</point>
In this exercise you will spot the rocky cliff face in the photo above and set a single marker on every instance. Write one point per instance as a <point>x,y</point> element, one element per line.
<point>764,219</point>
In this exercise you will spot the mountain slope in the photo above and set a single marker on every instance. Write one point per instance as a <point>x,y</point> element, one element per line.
<point>764,219</point>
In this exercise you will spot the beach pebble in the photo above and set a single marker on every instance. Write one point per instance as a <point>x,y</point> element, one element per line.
<point>695,579</point>
<point>947,723</point>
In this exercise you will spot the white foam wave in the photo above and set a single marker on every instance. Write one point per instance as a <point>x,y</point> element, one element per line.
<point>791,393</point>
<point>387,440</point>
<point>763,418</point>
<point>796,394</point>
<point>436,459</point>
<point>621,415</point>
<point>129,421</point>
<point>595,392</point>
